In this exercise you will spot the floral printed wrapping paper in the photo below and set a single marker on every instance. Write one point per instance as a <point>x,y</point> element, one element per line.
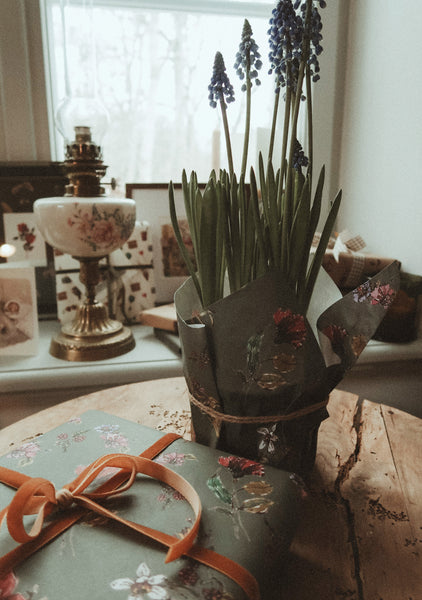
<point>260,373</point>
<point>249,515</point>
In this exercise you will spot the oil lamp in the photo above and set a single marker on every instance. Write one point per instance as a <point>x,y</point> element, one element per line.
<point>85,222</point>
<point>88,225</point>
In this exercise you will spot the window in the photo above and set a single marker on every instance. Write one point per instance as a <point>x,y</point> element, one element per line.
<point>153,64</point>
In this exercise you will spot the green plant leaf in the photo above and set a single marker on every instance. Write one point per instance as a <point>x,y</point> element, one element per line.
<point>316,205</point>
<point>299,234</point>
<point>248,232</point>
<point>208,227</point>
<point>320,251</point>
<point>299,182</point>
<point>235,234</point>
<point>228,250</point>
<point>262,256</point>
<point>220,255</point>
<point>182,246</point>
<point>313,224</point>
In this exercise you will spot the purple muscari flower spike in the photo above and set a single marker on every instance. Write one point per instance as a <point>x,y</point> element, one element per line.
<point>315,38</point>
<point>248,58</point>
<point>286,36</point>
<point>299,158</point>
<point>285,39</point>
<point>220,88</point>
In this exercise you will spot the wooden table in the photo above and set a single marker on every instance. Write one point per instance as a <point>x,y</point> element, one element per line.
<point>360,534</point>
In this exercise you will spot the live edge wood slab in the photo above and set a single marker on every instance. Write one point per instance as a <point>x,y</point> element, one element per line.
<point>360,534</point>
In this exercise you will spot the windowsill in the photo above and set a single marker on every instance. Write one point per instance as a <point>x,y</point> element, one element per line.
<point>384,352</point>
<point>150,359</point>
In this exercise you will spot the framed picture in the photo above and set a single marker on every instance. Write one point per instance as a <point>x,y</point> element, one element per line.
<point>18,311</point>
<point>20,185</point>
<point>152,205</point>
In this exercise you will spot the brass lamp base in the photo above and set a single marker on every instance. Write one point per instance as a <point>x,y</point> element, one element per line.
<point>92,335</point>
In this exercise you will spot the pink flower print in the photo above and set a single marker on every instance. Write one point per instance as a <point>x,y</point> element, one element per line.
<point>23,228</point>
<point>177,495</point>
<point>63,441</point>
<point>7,587</point>
<point>172,458</point>
<point>241,466</point>
<point>162,497</point>
<point>168,494</point>
<point>25,453</point>
<point>84,226</point>
<point>104,233</point>
<point>30,449</point>
<point>26,235</point>
<point>291,328</point>
<point>363,292</point>
<point>188,575</point>
<point>29,238</point>
<point>115,440</point>
<point>384,295</point>
<point>336,334</point>
<point>107,428</point>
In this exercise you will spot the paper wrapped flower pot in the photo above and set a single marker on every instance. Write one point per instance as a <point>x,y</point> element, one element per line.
<point>259,373</point>
<point>248,518</point>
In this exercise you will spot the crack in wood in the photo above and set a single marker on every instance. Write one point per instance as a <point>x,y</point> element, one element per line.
<point>342,476</point>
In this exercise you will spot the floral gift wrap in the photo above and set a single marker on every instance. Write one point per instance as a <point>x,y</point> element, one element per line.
<point>260,373</point>
<point>104,548</point>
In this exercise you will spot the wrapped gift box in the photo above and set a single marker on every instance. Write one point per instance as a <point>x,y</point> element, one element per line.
<point>350,270</point>
<point>401,321</point>
<point>249,515</point>
<point>127,286</point>
<point>345,262</point>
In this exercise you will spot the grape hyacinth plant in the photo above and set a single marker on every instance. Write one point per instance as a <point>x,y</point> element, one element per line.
<point>245,230</point>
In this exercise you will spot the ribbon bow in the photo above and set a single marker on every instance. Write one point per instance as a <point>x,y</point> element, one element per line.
<point>38,496</point>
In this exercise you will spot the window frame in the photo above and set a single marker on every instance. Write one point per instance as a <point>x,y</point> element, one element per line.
<point>248,9</point>
<point>26,113</point>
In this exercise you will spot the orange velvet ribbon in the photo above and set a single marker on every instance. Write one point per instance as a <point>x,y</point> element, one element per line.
<point>37,496</point>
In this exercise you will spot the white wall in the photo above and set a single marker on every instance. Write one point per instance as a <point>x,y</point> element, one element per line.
<point>381,149</point>
<point>328,97</point>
